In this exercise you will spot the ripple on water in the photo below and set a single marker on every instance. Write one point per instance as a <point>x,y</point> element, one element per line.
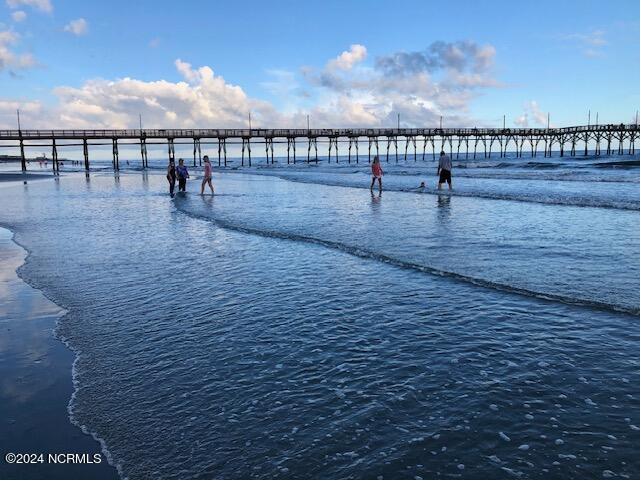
<point>214,353</point>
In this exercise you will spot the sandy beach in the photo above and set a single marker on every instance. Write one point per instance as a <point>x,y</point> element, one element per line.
<point>36,381</point>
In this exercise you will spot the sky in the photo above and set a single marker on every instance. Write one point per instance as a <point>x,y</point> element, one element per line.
<point>206,64</point>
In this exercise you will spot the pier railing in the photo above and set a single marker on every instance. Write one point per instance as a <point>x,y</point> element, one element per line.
<point>76,134</point>
<point>562,138</point>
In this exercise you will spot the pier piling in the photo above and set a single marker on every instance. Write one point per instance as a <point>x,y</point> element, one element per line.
<point>85,151</point>
<point>54,157</point>
<point>196,149</point>
<point>116,161</point>
<point>23,159</point>
<point>143,152</point>
<point>171,149</point>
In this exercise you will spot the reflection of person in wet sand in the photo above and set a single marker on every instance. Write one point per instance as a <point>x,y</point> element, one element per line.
<point>375,200</point>
<point>444,206</point>
<point>376,171</point>
<point>444,200</point>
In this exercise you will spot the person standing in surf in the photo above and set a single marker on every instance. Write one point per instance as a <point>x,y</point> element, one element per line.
<point>444,170</point>
<point>171,176</point>
<point>207,176</point>
<point>376,172</point>
<point>183,174</point>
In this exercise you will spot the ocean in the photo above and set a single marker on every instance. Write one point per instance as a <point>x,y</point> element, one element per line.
<point>296,325</point>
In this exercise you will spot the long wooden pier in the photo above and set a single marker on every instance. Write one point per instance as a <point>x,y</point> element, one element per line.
<point>572,141</point>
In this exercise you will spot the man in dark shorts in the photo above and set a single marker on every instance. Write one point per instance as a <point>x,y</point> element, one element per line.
<point>444,170</point>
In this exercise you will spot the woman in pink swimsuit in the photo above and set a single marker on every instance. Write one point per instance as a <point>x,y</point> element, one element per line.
<point>207,176</point>
<point>376,171</point>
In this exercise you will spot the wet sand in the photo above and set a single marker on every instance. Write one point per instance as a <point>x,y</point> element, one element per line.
<point>36,382</point>
<point>19,177</point>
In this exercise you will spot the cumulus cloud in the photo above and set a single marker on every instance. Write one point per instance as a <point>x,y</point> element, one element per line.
<point>9,59</point>
<point>201,99</point>
<point>18,16</point>
<point>10,106</point>
<point>77,27</point>
<point>442,79</point>
<point>457,56</point>
<point>347,59</point>
<point>346,92</point>
<point>42,5</point>
<point>29,111</point>
<point>339,72</point>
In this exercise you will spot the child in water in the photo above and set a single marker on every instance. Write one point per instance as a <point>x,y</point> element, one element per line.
<point>207,176</point>
<point>376,171</point>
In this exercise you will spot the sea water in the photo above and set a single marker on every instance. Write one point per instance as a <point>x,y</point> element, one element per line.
<point>297,326</point>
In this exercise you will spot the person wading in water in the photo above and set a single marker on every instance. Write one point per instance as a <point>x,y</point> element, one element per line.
<point>171,176</point>
<point>376,172</point>
<point>207,176</point>
<point>183,174</point>
<point>444,170</point>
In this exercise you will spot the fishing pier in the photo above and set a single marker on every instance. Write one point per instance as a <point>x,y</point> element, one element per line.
<point>417,142</point>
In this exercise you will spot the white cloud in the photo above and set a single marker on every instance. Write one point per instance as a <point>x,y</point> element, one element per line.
<point>347,59</point>
<point>9,59</point>
<point>592,44</point>
<point>443,79</point>
<point>523,120</point>
<point>29,111</point>
<point>532,116</point>
<point>18,16</point>
<point>345,93</point>
<point>186,71</point>
<point>485,57</point>
<point>42,5</point>
<point>77,27</point>
<point>13,105</point>
<point>203,99</point>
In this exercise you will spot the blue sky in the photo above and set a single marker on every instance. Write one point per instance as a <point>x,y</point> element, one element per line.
<point>469,61</point>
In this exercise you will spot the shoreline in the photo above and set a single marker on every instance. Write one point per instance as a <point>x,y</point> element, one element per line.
<point>37,381</point>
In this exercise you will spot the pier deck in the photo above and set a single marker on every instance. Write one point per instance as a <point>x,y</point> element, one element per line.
<point>570,141</point>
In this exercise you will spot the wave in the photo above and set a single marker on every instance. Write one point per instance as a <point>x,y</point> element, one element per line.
<point>567,176</point>
<point>618,164</point>
<point>380,257</point>
<point>502,165</point>
<point>583,202</point>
